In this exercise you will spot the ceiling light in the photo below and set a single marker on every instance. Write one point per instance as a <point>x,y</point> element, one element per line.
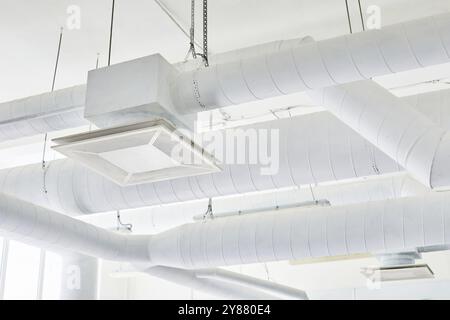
<point>395,273</point>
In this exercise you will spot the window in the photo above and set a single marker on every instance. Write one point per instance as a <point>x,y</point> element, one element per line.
<point>22,271</point>
<point>3,252</point>
<point>52,278</point>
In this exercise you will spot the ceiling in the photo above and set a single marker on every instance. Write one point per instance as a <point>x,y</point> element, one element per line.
<point>29,32</point>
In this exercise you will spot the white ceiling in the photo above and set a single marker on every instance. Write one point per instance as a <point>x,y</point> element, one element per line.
<point>239,23</point>
<point>29,32</point>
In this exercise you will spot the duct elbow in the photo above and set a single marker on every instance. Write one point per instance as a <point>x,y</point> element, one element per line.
<point>440,177</point>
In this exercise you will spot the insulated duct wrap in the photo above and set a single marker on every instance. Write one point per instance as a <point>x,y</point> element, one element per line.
<point>315,65</point>
<point>61,109</point>
<point>349,155</point>
<point>53,231</point>
<point>434,105</point>
<point>226,284</point>
<point>28,223</point>
<point>313,149</point>
<point>406,135</point>
<point>372,227</point>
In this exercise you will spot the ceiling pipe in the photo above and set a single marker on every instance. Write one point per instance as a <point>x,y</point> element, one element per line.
<point>399,225</point>
<point>53,231</point>
<point>313,149</point>
<point>64,109</point>
<point>52,111</point>
<point>348,154</point>
<point>243,53</point>
<point>434,105</point>
<point>260,72</point>
<point>37,226</point>
<point>253,283</point>
<point>407,136</point>
<point>314,65</point>
<point>226,284</point>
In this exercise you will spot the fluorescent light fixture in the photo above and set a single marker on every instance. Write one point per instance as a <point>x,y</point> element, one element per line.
<point>145,152</point>
<point>395,273</point>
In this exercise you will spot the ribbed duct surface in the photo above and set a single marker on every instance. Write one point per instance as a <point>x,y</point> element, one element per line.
<point>61,109</point>
<point>226,284</point>
<point>53,231</point>
<point>372,227</point>
<point>314,65</point>
<point>28,223</point>
<point>406,135</point>
<point>313,149</point>
<point>434,105</point>
<point>344,153</point>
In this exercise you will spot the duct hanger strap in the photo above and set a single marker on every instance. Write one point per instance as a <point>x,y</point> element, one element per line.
<point>209,213</point>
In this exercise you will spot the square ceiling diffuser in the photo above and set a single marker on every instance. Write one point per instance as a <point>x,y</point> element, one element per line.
<point>396,273</point>
<point>145,152</point>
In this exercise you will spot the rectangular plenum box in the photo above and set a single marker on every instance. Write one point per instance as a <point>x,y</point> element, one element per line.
<point>132,91</point>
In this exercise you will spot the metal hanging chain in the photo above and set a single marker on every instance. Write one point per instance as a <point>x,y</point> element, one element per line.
<point>205,33</point>
<point>192,50</point>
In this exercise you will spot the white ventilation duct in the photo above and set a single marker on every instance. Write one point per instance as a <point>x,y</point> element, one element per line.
<point>31,224</point>
<point>53,231</point>
<point>314,65</point>
<point>226,284</point>
<point>74,189</point>
<point>253,283</point>
<point>52,111</point>
<point>406,135</point>
<point>243,53</point>
<point>313,149</point>
<point>434,105</point>
<point>374,227</point>
<point>63,109</point>
<point>260,72</point>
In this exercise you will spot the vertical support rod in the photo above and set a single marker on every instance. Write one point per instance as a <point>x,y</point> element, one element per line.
<point>55,72</point>
<point>361,15</point>
<point>111,31</point>
<point>57,59</point>
<point>348,16</point>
